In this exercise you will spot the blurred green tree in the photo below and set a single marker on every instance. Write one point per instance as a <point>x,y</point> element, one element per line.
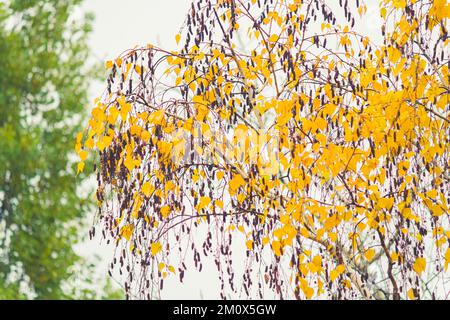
<point>44,82</point>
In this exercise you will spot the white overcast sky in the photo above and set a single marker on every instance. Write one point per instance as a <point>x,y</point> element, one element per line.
<point>123,24</point>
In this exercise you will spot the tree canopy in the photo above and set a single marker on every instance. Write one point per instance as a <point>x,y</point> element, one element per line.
<point>326,149</point>
<point>43,92</point>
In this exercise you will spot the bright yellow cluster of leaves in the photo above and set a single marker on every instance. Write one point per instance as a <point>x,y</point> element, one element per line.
<point>334,159</point>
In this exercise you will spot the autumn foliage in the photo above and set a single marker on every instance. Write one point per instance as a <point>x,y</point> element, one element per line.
<point>327,150</point>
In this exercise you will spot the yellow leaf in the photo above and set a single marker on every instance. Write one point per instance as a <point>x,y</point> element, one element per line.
<point>155,248</point>
<point>79,137</point>
<point>127,231</point>
<point>386,203</point>
<point>177,38</point>
<point>147,189</point>
<point>105,141</point>
<point>129,163</point>
<point>113,114</point>
<point>80,167</point>
<point>308,291</point>
<point>165,211</point>
<point>447,258</point>
<point>241,197</point>
<point>137,69</point>
<point>315,266</point>
<point>124,110</point>
<point>340,268</point>
<point>394,256</point>
<point>333,275</point>
<point>204,202</point>
<point>236,182</point>
<point>399,4</point>
<point>273,38</point>
<point>202,112</point>
<point>156,117</point>
<point>276,248</point>
<point>331,222</point>
<point>83,155</point>
<point>419,265</point>
<point>145,135</point>
<point>135,130</point>
<point>249,244</point>
<point>293,7</point>
<point>369,254</point>
<point>89,144</point>
<point>333,236</point>
<point>170,186</point>
<point>219,203</point>
<point>431,193</point>
<point>411,295</point>
<point>109,64</point>
<point>219,175</point>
